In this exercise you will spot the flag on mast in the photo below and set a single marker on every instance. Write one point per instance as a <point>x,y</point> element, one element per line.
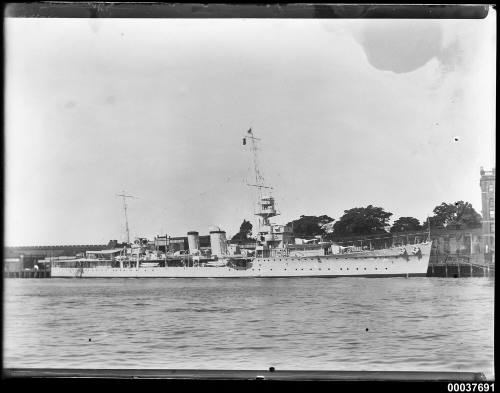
<point>248,132</point>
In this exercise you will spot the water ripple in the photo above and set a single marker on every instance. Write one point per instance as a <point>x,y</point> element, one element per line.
<point>306,323</point>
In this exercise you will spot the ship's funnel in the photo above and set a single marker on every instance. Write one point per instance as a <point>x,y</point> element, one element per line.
<point>218,242</point>
<point>193,241</point>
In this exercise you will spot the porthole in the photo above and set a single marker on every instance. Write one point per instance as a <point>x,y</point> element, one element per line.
<point>340,268</point>
<point>357,269</point>
<point>328,268</point>
<point>347,268</point>
<point>365,268</point>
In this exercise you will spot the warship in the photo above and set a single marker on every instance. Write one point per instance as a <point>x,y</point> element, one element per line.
<point>275,253</point>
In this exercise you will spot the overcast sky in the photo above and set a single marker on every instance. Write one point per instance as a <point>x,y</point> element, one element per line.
<point>350,113</point>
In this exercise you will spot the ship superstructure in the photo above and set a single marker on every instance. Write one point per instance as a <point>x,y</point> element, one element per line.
<point>272,239</point>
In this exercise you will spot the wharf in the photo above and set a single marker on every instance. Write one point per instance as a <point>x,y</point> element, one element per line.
<point>28,273</point>
<point>459,267</point>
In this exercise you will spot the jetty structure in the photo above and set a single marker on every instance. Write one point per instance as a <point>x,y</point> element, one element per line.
<point>275,253</point>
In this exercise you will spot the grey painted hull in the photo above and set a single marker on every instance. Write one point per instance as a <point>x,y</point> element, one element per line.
<point>383,263</point>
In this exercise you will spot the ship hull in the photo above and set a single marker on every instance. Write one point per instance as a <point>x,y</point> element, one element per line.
<point>369,264</point>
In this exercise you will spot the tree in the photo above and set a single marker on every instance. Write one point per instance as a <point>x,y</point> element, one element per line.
<point>459,214</point>
<point>466,215</point>
<point>244,234</point>
<point>405,224</point>
<point>433,222</point>
<point>362,221</point>
<point>443,214</point>
<point>310,226</point>
<point>246,228</point>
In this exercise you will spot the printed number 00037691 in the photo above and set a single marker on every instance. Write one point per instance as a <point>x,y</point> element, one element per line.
<point>471,387</point>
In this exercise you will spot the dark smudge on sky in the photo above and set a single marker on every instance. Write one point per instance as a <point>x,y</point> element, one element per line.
<point>405,47</point>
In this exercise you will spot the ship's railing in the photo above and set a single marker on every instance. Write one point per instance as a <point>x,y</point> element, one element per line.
<point>383,241</point>
<point>457,259</point>
<point>86,263</point>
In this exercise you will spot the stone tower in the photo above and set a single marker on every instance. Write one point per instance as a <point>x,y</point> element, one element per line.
<point>487,184</point>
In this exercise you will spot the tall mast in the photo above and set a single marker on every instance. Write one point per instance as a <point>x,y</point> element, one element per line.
<point>259,179</point>
<point>124,196</point>
<point>266,204</point>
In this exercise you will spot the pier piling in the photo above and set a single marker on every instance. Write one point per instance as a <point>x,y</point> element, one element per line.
<point>28,273</point>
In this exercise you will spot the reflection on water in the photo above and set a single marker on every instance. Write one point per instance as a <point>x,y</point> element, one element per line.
<point>423,324</point>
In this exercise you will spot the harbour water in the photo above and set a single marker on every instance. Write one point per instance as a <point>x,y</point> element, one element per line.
<point>419,324</point>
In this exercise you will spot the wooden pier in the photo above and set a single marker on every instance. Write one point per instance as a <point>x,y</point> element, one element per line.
<point>27,273</point>
<point>459,267</point>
